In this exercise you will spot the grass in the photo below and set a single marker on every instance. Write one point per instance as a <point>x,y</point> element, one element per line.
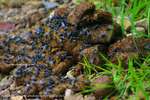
<point>132,83</point>
<point>135,10</point>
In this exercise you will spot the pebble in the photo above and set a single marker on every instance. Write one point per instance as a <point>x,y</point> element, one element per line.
<point>6,82</point>
<point>17,98</point>
<point>126,49</point>
<point>141,29</point>
<point>101,84</point>
<point>50,5</point>
<point>84,8</point>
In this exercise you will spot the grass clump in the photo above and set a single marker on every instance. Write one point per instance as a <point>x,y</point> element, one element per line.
<point>130,83</point>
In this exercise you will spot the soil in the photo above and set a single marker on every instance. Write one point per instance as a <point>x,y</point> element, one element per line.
<point>39,61</point>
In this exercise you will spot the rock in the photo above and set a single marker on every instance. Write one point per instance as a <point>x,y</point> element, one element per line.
<point>92,55</point>
<point>5,83</point>
<point>61,67</point>
<point>5,93</point>
<point>106,33</point>
<point>126,22</point>
<point>142,23</point>
<point>35,4</point>
<point>102,86</point>
<point>123,50</point>
<point>6,68</point>
<point>17,98</point>
<point>74,48</point>
<point>15,3</point>
<point>74,97</point>
<point>98,17</point>
<point>50,5</point>
<point>68,92</point>
<point>6,27</point>
<point>128,48</point>
<point>62,11</point>
<point>81,83</point>
<point>141,29</point>
<point>60,88</point>
<point>81,10</point>
<point>78,70</point>
<point>79,97</point>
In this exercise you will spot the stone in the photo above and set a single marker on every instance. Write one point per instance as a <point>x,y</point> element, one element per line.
<point>6,68</point>
<point>60,88</point>
<point>6,27</point>
<point>50,5</point>
<point>62,11</point>
<point>35,4</point>
<point>5,93</point>
<point>79,97</point>
<point>126,22</point>
<point>74,97</point>
<point>17,98</point>
<point>81,83</point>
<point>106,33</point>
<point>6,82</point>
<point>128,48</point>
<point>15,3</point>
<point>92,55</point>
<point>141,29</point>
<point>142,23</point>
<point>61,67</point>
<point>80,10</point>
<point>98,17</point>
<point>102,86</point>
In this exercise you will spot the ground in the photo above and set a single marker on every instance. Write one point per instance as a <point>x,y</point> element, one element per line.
<point>74,50</point>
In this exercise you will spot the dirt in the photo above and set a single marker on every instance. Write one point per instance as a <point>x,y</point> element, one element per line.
<point>42,60</point>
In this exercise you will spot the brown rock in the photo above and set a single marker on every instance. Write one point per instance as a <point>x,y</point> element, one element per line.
<point>35,4</point>
<point>6,68</point>
<point>81,83</point>
<point>62,11</point>
<point>123,50</point>
<point>92,54</point>
<point>98,17</point>
<point>105,33</point>
<point>15,3</point>
<point>79,97</point>
<point>78,69</point>
<point>60,88</point>
<point>102,86</point>
<point>61,67</point>
<point>74,48</point>
<point>68,45</point>
<point>84,8</point>
<point>129,48</point>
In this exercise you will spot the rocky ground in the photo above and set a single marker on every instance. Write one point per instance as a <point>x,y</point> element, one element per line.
<point>41,54</point>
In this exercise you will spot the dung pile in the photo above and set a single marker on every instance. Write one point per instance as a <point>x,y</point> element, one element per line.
<point>43,57</point>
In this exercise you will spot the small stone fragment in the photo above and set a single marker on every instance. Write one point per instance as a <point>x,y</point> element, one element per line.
<point>50,5</point>
<point>98,17</point>
<point>129,48</point>
<point>60,88</point>
<point>62,11</point>
<point>84,8</point>
<point>17,98</point>
<point>92,54</point>
<point>81,83</point>
<point>102,85</point>
<point>5,68</point>
<point>61,67</point>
